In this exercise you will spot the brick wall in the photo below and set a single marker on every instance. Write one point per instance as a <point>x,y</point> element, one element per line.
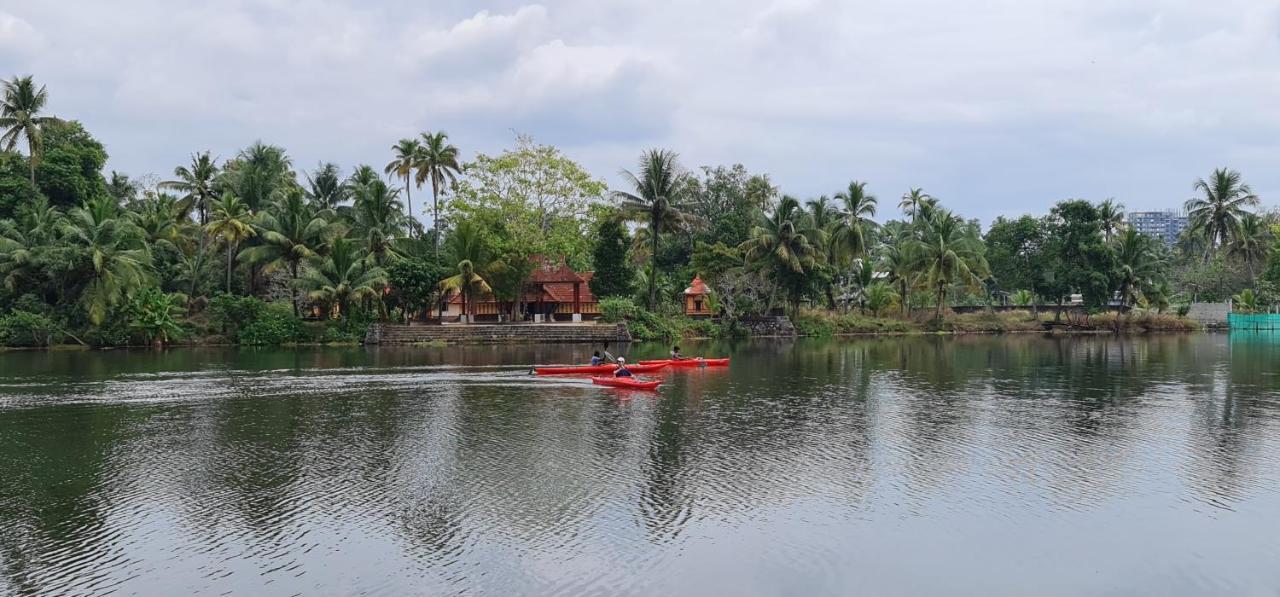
<point>498,334</point>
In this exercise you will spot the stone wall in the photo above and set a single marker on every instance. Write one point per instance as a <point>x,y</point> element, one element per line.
<point>1210,315</point>
<point>517,333</point>
<point>769,327</point>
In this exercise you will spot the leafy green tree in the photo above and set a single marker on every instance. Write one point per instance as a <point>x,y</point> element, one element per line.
<point>437,163</point>
<point>1076,258</point>
<point>121,188</point>
<point>1015,251</point>
<point>345,274</point>
<point>292,231</point>
<point>950,253</point>
<point>197,183</point>
<point>1023,298</point>
<point>612,274</point>
<point>408,155</point>
<point>415,283</point>
<point>728,199</point>
<point>25,244</point>
<point>232,221</point>
<point>16,190</point>
<point>897,259</point>
<point>116,264</point>
<point>163,220</point>
<point>880,296</point>
<point>779,245</point>
<point>21,120</point>
<point>1223,203</point>
<point>653,198</point>
<point>70,171</point>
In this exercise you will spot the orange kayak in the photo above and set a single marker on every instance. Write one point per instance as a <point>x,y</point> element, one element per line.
<point>625,382</point>
<point>691,362</point>
<point>605,368</point>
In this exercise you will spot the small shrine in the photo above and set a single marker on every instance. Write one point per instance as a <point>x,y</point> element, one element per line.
<point>695,299</point>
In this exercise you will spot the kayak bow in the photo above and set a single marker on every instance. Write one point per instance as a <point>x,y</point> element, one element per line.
<point>625,382</point>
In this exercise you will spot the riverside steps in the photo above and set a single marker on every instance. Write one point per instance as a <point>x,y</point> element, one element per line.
<point>505,333</point>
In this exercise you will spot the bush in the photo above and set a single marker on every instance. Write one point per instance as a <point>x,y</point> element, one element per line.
<point>274,324</point>
<point>24,328</point>
<point>228,313</point>
<point>615,309</point>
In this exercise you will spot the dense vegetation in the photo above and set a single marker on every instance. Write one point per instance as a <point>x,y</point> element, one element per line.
<point>251,249</point>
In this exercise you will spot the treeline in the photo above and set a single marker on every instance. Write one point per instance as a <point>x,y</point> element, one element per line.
<point>252,249</point>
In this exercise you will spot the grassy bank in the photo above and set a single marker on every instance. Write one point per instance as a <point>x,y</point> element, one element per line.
<point>825,323</point>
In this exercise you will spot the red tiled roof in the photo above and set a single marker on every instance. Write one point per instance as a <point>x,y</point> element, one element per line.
<point>548,271</point>
<point>697,287</point>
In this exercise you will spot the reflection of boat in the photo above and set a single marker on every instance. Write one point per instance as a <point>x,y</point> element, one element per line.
<point>605,368</point>
<point>691,362</point>
<point>626,382</point>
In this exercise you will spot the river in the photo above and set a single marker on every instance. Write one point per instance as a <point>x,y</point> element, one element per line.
<point>1014,465</point>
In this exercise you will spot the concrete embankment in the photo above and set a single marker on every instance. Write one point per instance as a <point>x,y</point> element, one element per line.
<point>519,333</point>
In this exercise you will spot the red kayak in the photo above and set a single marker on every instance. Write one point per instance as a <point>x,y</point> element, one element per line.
<point>691,362</point>
<point>605,368</point>
<point>625,382</point>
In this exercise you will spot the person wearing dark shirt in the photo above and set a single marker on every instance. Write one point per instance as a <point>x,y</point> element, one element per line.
<point>622,370</point>
<point>596,359</point>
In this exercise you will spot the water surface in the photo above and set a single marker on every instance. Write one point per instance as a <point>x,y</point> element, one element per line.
<point>901,466</point>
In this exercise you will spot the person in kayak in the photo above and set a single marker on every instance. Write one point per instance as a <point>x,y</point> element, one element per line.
<point>675,354</point>
<point>596,359</point>
<point>622,370</point>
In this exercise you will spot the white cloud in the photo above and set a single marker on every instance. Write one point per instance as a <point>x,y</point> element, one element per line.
<point>1053,98</point>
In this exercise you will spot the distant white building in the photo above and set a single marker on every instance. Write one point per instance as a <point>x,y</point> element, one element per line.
<point>1165,225</point>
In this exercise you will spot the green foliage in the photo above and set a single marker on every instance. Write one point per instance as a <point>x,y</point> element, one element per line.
<point>229,313</point>
<point>1013,248</point>
<point>879,296</point>
<point>156,315</point>
<point>70,172</point>
<point>274,324</point>
<point>1245,302</point>
<point>415,283</point>
<point>24,328</point>
<point>613,275</point>
<point>15,187</point>
<point>1076,257</point>
<point>1023,298</point>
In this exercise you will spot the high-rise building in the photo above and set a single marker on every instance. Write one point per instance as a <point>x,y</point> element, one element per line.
<point>1165,225</point>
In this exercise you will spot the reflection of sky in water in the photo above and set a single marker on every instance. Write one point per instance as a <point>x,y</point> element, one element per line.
<point>983,465</point>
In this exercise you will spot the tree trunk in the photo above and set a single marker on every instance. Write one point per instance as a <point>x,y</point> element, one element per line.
<point>942,296</point>
<point>230,268</point>
<point>653,266</point>
<point>408,195</point>
<point>293,286</point>
<point>435,214</point>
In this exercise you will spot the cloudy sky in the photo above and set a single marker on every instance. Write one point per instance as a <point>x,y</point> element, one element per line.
<point>995,106</point>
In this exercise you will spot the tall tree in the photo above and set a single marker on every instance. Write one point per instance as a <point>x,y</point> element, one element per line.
<point>378,218</point>
<point>324,187</point>
<point>915,202</point>
<point>438,163</point>
<point>1223,201</point>
<point>20,118</point>
<point>778,244</point>
<point>950,253</point>
<point>653,199</point>
<point>897,259</point>
<point>341,276</point>
<point>258,173</point>
<point>232,221</point>
<point>1111,214</point>
<point>612,276</point>
<point>1137,265</point>
<point>292,231</point>
<point>1251,241</point>
<point>196,182</point>
<point>1014,251</point>
<point>852,231</point>
<point>116,261</point>
<point>408,154</point>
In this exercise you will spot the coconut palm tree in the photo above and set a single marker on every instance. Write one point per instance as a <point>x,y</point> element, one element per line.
<point>232,221</point>
<point>1245,302</point>
<point>653,199</point>
<point>897,257</point>
<point>20,118</point>
<point>1215,214</point>
<point>258,173</point>
<point>468,282</point>
<point>378,218</point>
<point>196,182</point>
<point>163,220</point>
<point>1137,265</point>
<point>1251,242</point>
<point>437,163</point>
<point>324,187</point>
<point>1111,216</point>
<point>915,202</point>
<point>363,175</point>
<point>341,276</point>
<point>408,155</point>
<point>949,253</point>
<point>779,245</point>
<point>879,296</point>
<point>292,231</point>
<point>1022,298</point>
<point>850,236</point>
<point>122,188</point>
<point>117,262</point>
